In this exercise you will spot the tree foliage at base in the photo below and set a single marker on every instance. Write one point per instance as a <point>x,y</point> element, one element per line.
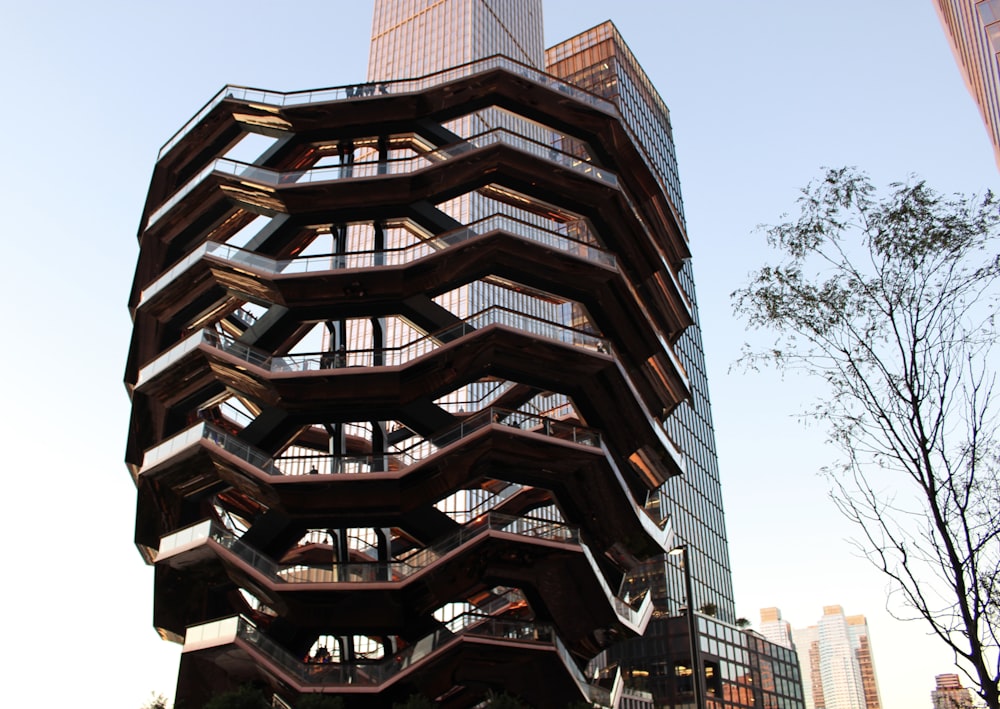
<point>246,697</point>
<point>891,302</point>
<point>503,700</point>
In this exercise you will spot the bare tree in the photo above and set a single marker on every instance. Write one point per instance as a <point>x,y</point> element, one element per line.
<point>891,302</point>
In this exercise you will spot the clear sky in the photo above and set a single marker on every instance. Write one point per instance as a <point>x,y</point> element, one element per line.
<point>762,95</point>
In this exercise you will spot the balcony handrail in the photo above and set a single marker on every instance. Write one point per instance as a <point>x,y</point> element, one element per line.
<point>634,614</point>
<point>366,572</point>
<point>370,357</point>
<point>369,258</point>
<point>276,98</point>
<point>492,390</point>
<point>382,168</point>
<point>397,86</point>
<point>374,674</point>
<point>351,464</point>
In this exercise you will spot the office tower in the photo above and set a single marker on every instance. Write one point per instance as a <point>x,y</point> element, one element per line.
<point>774,628</point>
<point>660,662</point>
<point>838,669</point>
<point>739,667</point>
<point>404,388</point>
<point>418,37</point>
<point>950,694</point>
<point>973,31</point>
<point>599,60</point>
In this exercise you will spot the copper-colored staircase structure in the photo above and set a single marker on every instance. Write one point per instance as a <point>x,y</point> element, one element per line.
<point>446,509</point>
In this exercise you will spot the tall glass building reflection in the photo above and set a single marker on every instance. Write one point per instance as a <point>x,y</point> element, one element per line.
<point>973,31</point>
<point>599,60</point>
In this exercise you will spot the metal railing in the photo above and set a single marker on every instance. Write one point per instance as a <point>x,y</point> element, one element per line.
<point>388,356</point>
<point>521,420</point>
<point>366,572</point>
<point>384,257</point>
<point>374,674</point>
<point>634,613</point>
<point>346,464</point>
<point>379,168</point>
<point>401,86</point>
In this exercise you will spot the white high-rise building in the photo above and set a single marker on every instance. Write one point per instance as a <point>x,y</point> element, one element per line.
<point>775,629</point>
<point>838,671</point>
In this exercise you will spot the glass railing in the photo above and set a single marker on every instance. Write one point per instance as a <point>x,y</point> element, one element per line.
<point>169,356</point>
<point>175,444</point>
<point>388,356</point>
<point>594,692</point>
<point>377,168</point>
<point>338,93</point>
<point>675,361</point>
<point>385,257</point>
<point>214,632</point>
<point>195,534</point>
<point>634,613</point>
<point>608,697</point>
<point>206,431</point>
<point>182,192</point>
<point>495,499</point>
<point>174,271</point>
<point>469,398</point>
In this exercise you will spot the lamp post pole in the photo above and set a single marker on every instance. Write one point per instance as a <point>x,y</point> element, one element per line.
<point>699,694</point>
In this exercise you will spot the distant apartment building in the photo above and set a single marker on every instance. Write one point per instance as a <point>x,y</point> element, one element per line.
<point>950,694</point>
<point>973,30</point>
<point>774,628</point>
<point>838,670</point>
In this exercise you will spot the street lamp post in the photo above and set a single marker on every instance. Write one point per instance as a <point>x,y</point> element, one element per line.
<point>699,695</point>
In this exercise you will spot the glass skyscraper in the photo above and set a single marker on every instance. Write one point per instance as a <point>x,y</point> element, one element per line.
<point>416,37</point>
<point>973,30</point>
<point>599,60</point>
<point>838,669</point>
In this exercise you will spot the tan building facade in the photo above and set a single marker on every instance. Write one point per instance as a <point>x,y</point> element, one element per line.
<point>973,30</point>
<point>950,694</point>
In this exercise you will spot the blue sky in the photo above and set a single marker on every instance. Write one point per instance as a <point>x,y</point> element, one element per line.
<point>762,95</point>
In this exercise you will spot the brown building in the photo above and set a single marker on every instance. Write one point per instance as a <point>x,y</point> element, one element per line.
<point>950,694</point>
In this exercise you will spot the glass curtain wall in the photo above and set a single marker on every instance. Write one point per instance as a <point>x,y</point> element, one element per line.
<point>599,60</point>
